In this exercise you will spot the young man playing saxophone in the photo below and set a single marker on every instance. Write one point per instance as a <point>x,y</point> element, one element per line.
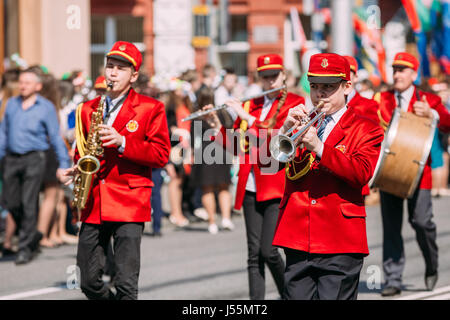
<point>135,139</point>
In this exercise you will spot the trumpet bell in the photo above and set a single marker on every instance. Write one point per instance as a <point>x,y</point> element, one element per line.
<point>282,148</point>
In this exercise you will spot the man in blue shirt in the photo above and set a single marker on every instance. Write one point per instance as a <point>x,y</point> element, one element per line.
<point>29,127</point>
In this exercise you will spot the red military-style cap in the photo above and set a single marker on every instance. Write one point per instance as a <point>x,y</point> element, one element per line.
<point>100,83</point>
<point>269,65</point>
<point>127,52</point>
<point>328,68</point>
<point>405,59</point>
<point>353,63</point>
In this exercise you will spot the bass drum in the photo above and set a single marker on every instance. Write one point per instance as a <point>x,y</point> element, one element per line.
<point>404,153</point>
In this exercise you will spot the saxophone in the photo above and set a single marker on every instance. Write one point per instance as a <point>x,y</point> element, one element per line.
<point>89,164</point>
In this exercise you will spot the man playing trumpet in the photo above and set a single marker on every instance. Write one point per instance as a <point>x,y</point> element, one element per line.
<point>322,225</point>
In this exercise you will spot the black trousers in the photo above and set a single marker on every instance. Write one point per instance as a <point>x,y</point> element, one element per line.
<point>322,276</point>
<point>420,214</point>
<point>91,256</point>
<point>22,177</point>
<point>260,223</point>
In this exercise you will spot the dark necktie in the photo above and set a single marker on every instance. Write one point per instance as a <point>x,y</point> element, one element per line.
<point>322,127</point>
<point>399,98</point>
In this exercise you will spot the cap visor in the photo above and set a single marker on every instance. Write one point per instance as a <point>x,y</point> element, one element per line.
<point>269,73</point>
<point>400,66</point>
<point>325,79</point>
<point>117,57</point>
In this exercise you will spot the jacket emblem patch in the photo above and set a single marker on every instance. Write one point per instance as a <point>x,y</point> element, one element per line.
<point>132,125</point>
<point>341,148</point>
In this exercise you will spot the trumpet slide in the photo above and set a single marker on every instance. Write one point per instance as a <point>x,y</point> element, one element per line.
<point>282,146</point>
<point>201,113</point>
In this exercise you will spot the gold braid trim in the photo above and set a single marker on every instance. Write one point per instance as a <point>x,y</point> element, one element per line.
<point>383,123</point>
<point>245,146</point>
<point>270,123</point>
<point>377,97</point>
<point>79,135</point>
<point>297,175</point>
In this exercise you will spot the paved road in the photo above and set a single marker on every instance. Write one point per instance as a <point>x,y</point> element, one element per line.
<point>192,264</point>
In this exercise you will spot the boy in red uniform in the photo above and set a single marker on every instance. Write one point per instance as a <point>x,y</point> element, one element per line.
<point>135,139</point>
<point>322,225</point>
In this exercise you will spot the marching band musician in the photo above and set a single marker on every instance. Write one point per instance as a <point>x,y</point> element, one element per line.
<point>259,192</point>
<point>361,105</point>
<point>322,225</point>
<point>409,99</point>
<point>135,139</point>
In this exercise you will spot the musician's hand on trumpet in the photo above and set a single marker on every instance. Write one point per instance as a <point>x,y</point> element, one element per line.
<point>294,118</point>
<point>311,141</point>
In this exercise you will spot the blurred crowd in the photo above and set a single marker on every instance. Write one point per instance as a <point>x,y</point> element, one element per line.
<point>185,190</point>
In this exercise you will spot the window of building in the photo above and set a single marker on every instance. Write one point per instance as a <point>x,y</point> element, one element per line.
<point>105,30</point>
<point>238,25</point>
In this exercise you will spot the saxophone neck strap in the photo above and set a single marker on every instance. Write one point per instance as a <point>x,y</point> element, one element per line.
<point>110,108</point>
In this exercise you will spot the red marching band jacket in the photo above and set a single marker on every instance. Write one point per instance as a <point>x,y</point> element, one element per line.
<point>387,104</point>
<point>269,179</point>
<point>121,189</point>
<point>367,108</point>
<point>323,211</point>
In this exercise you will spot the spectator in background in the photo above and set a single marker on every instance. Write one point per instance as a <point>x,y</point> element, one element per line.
<point>440,149</point>
<point>191,199</point>
<point>209,76</point>
<point>47,217</point>
<point>210,178</point>
<point>365,88</point>
<point>9,88</point>
<point>191,85</point>
<point>145,87</point>
<point>224,93</point>
<point>29,128</point>
<point>177,108</point>
<point>255,87</point>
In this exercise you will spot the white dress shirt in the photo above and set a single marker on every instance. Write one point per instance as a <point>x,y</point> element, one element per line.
<point>406,97</point>
<point>335,117</point>
<point>113,116</point>
<point>251,185</point>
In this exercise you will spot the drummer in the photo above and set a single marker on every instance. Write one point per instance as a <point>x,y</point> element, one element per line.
<point>409,99</point>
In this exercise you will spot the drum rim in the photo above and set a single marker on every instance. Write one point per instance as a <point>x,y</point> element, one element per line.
<point>389,136</point>
<point>425,155</point>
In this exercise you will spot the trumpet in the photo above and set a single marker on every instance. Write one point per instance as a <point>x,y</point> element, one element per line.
<point>282,146</point>
<point>201,113</point>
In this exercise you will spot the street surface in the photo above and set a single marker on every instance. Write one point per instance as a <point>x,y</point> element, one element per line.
<point>191,264</point>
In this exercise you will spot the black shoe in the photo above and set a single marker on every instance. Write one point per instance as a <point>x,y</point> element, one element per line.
<point>23,257</point>
<point>390,291</point>
<point>34,243</point>
<point>430,281</point>
<point>8,252</point>
<point>156,234</point>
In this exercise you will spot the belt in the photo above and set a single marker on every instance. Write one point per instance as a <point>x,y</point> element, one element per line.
<point>13,154</point>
